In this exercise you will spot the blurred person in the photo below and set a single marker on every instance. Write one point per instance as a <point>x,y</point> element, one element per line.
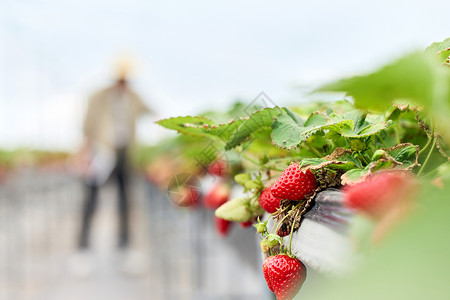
<point>109,131</point>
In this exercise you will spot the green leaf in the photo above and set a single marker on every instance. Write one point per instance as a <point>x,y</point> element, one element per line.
<point>368,130</point>
<point>286,130</point>
<point>201,126</point>
<point>353,176</point>
<point>311,162</point>
<point>226,131</point>
<point>381,165</point>
<point>316,119</point>
<point>404,154</point>
<point>256,121</point>
<point>438,46</point>
<point>411,77</point>
<point>319,163</point>
<point>440,50</point>
<point>196,126</point>
<point>288,133</point>
<point>341,127</point>
<point>407,154</point>
<point>349,157</point>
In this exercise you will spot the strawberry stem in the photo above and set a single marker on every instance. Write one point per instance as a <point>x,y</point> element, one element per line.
<point>292,231</point>
<point>281,221</point>
<point>363,159</point>
<point>256,162</point>
<point>314,150</point>
<point>427,158</point>
<point>271,231</point>
<point>382,141</point>
<point>430,139</point>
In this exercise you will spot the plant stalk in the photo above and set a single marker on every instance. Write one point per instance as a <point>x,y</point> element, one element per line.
<point>427,158</point>
<point>292,231</point>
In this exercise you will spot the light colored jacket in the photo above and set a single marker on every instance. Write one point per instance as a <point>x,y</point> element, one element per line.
<point>98,122</point>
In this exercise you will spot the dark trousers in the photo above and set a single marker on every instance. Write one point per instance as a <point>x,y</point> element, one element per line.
<point>91,199</point>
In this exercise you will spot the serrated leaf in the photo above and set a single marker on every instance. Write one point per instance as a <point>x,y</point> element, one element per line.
<point>405,154</point>
<point>349,157</point>
<point>256,121</point>
<point>381,164</point>
<point>316,119</point>
<point>201,126</point>
<point>188,125</point>
<point>286,131</point>
<point>440,50</point>
<point>311,162</point>
<point>360,121</point>
<point>368,130</point>
<point>354,176</point>
<point>319,163</point>
<point>226,131</point>
<point>438,46</point>
<point>339,127</point>
<point>297,119</point>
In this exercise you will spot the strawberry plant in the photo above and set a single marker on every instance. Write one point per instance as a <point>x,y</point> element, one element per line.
<point>381,144</point>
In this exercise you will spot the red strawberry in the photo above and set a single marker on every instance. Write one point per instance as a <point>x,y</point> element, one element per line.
<point>185,196</point>
<point>294,184</point>
<point>217,196</point>
<point>218,168</point>
<point>284,275</point>
<point>268,201</point>
<point>246,224</point>
<point>266,271</point>
<point>222,226</point>
<point>379,193</point>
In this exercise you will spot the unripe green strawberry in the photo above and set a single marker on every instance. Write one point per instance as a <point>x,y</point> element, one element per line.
<point>242,178</point>
<point>236,210</point>
<point>253,185</point>
<point>293,184</point>
<point>261,227</point>
<point>272,240</point>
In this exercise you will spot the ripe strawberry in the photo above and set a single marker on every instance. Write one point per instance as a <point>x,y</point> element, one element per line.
<point>185,196</point>
<point>268,201</point>
<point>379,193</point>
<point>246,224</point>
<point>266,271</point>
<point>217,196</point>
<point>222,226</point>
<point>294,184</point>
<point>218,168</point>
<point>284,275</point>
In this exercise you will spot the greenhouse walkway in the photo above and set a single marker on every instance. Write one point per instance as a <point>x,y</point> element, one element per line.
<point>175,253</point>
